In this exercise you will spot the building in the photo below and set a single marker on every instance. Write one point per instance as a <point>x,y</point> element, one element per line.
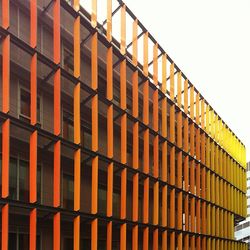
<point>242,231</point>
<point>105,142</point>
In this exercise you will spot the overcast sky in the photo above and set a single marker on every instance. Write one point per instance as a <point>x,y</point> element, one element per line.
<point>210,42</point>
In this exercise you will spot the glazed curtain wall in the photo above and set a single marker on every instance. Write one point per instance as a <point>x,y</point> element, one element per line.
<point>188,166</point>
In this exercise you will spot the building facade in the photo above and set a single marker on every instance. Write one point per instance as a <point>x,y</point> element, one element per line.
<point>105,142</point>
<point>242,231</point>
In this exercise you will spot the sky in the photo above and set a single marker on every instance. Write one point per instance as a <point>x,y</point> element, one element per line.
<point>210,42</point>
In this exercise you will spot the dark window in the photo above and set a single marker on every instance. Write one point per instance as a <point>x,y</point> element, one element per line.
<point>23,241</point>
<point>19,180</point>
<point>23,180</point>
<point>20,241</point>
<point>68,191</point>
<point>13,178</point>
<point>12,241</point>
<point>68,61</point>
<point>102,201</point>
<point>68,127</point>
<point>67,244</point>
<point>25,106</point>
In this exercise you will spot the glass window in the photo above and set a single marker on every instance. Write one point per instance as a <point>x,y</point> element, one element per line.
<point>25,103</point>
<point>116,93</point>
<point>39,183</point>
<point>102,200</point>
<point>68,191</point>
<point>24,111</point>
<point>23,181</point>
<point>67,244</point>
<point>86,138</point>
<point>68,61</point>
<point>68,126</point>
<point>116,204</point>
<point>23,241</point>
<point>20,241</point>
<point>13,178</point>
<point>85,244</point>
<point>102,244</point>
<point>47,40</point>
<point>19,180</point>
<point>12,241</point>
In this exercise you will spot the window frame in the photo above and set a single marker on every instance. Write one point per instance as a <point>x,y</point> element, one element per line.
<point>65,112</point>
<point>17,158</point>
<point>65,173</point>
<point>17,232</point>
<point>65,50</point>
<point>39,96</point>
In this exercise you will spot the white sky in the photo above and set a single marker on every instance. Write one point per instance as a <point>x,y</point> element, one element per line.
<point>210,42</point>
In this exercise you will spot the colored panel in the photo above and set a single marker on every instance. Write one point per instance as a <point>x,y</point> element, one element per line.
<point>6,74</point>
<point>77,233</point>
<point>33,167</point>
<point>57,173</point>
<point>5,157</point>
<point>172,89</point>
<point>5,14</point>
<point>145,54</point>
<point>109,235</point>
<point>155,64</point>
<point>33,225</point>
<point>123,29</point>
<point>94,234</point>
<point>135,42</point>
<point>56,231</point>
<point>5,226</point>
<point>109,20</point>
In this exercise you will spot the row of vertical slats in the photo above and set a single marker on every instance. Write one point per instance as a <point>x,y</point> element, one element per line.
<point>200,212</point>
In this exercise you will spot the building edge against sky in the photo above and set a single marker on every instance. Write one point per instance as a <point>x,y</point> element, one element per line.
<point>242,231</point>
<point>134,154</point>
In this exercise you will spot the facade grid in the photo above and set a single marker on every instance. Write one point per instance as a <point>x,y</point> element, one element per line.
<point>105,142</point>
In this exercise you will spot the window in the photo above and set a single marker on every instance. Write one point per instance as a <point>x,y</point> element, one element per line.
<point>86,137</point>
<point>24,107</point>
<point>116,93</point>
<point>67,243</point>
<point>13,179</point>
<point>23,180</point>
<point>68,126</point>
<point>13,241</point>
<point>84,243</point>
<point>68,62</point>
<point>68,191</point>
<point>102,201</point>
<point>18,241</point>
<point>19,180</point>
